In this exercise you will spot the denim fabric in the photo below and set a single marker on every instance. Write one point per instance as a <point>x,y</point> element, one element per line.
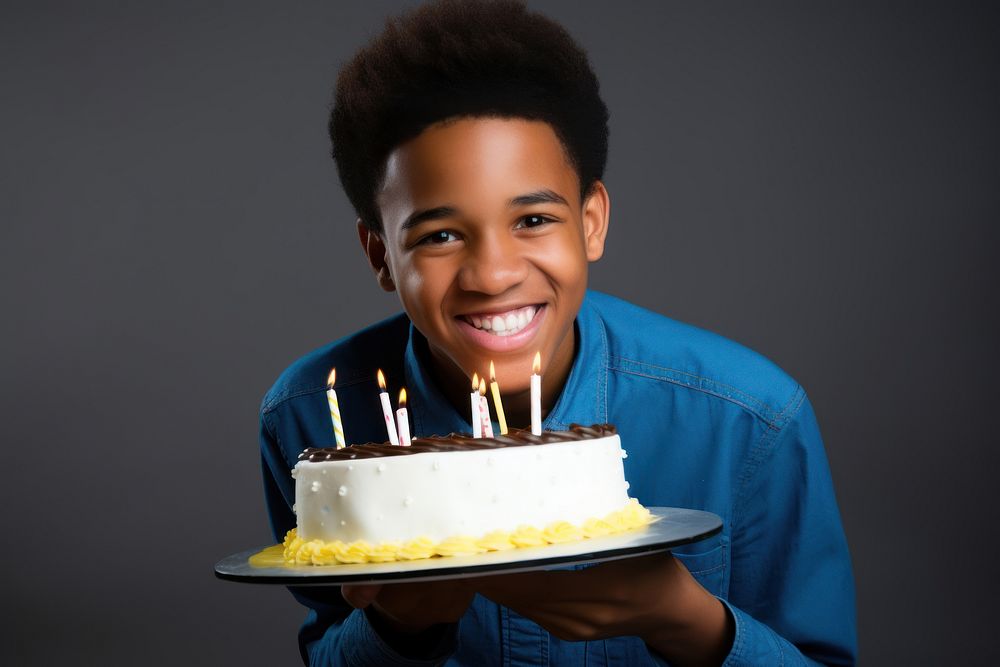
<point>707,423</point>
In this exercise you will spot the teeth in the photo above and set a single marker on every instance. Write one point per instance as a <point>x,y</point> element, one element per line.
<point>504,325</point>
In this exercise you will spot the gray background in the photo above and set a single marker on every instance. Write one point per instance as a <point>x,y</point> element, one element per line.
<point>815,180</point>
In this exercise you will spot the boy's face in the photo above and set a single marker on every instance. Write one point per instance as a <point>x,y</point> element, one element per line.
<point>485,240</point>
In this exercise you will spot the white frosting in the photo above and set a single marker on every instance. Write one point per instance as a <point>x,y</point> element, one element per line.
<point>445,494</point>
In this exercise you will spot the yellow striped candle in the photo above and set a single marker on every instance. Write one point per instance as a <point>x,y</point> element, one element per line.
<point>497,403</point>
<point>331,398</point>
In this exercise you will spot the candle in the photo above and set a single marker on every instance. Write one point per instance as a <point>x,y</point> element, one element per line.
<point>331,398</point>
<point>477,425</point>
<point>536,395</point>
<point>390,423</point>
<point>403,420</point>
<point>484,410</point>
<point>497,403</point>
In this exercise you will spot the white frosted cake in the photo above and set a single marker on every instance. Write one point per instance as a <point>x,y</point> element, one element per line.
<point>458,495</point>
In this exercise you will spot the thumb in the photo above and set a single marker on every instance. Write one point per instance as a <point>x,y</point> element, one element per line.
<point>361,596</point>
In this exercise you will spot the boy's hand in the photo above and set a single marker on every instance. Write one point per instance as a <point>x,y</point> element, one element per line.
<point>412,608</point>
<point>652,597</point>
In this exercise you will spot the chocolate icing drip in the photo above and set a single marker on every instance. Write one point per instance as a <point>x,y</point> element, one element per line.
<point>457,442</point>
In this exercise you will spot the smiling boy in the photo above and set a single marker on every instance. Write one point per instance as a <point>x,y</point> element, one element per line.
<point>471,139</point>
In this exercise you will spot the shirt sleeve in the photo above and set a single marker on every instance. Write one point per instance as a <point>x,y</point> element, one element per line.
<point>791,590</point>
<point>333,633</point>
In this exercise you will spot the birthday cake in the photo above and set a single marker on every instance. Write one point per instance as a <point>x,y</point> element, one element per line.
<point>458,495</point>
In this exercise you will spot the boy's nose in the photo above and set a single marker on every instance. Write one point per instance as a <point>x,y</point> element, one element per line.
<point>492,267</point>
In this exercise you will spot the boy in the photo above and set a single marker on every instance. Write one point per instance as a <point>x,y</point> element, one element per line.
<point>471,139</point>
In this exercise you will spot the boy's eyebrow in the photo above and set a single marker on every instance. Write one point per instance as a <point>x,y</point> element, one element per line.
<point>418,217</point>
<point>544,196</point>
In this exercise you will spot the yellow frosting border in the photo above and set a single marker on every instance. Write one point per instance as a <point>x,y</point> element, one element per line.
<point>298,551</point>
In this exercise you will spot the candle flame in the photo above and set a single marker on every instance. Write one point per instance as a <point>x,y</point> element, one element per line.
<point>493,372</point>
<point>402,398</point>
<point>331,378</point>
<point>475,382</point>
<point>482,387</point>
<point>381,380</point>
<point>536,365</point>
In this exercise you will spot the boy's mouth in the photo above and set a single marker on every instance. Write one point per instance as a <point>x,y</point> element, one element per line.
<point>503,324</point>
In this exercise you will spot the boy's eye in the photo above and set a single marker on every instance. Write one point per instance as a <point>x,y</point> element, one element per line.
<point>439,237</point>
<point>533,221</point>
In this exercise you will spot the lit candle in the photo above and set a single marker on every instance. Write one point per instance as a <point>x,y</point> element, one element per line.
<point>536,395</point>
<point>403,419</point>
<point>390,423</point>
<point>497,403</point>
<point>484,410</point>
<point>331,398</point>
<point>477,425</point>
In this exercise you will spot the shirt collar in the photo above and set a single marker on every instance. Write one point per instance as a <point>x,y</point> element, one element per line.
<point>583,399</point>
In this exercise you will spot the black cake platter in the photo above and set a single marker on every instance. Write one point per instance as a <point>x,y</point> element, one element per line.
<point>671,528</point>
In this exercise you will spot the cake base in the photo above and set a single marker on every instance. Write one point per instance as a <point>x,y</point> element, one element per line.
<point>671,527</point>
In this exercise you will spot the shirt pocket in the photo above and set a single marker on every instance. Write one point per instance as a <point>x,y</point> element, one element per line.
<point>708,564</point>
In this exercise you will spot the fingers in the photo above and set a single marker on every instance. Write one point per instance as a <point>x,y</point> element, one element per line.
<point>532,586</point>
<point>360,596</point>
<point>613,582</point>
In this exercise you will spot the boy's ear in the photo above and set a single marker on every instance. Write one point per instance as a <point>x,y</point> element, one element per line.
<point>596,215</point>
<point>374,249</point>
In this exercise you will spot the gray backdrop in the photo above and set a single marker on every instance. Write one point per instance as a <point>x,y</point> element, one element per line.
<point>815,180</point>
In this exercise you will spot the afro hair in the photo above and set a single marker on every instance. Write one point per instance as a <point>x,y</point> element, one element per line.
<point>463,58</point>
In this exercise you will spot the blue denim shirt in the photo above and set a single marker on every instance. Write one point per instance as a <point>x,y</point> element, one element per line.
<point>707,424</point>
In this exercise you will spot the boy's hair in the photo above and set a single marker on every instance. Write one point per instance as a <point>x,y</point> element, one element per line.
<point>462,58</point>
